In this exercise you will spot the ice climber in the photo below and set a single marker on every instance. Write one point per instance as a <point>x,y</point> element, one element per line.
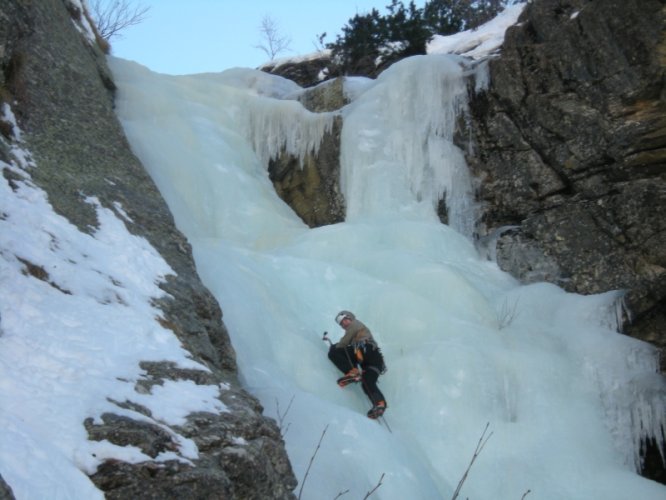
<point>358,349</point>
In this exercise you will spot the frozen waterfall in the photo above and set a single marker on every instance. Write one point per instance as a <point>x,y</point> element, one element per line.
<point>567,397</point>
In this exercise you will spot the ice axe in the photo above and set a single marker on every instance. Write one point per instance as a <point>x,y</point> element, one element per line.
<point>331,344</point>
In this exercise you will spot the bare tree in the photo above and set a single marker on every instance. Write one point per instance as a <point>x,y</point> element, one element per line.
<point>319,44</point>
<point>113,16</point>
<point>273,42</point>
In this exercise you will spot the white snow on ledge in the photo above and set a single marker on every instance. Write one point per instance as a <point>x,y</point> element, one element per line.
<point>477,43</point>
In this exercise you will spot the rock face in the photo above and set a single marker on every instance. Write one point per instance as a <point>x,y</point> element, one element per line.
<point>312,189</point>
<point>6,492</point>
<point>571,141</point>
<point>306,72</point>
<point>62,94</point>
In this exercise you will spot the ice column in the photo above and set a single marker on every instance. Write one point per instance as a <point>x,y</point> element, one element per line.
<point>398,155</point>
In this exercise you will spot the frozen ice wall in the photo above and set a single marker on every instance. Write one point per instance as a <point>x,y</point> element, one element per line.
<point>564,395</point>
<point>418,99</point>
<point>206,140</point>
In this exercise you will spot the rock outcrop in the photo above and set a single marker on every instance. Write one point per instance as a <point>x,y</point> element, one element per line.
<point>305,72</point>
<point>312,187</point>
<point>571,142</point>
<point>6,492</point>
<point>61,92</point>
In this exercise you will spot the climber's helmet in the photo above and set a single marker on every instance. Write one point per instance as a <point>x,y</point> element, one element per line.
<point>342,315</point>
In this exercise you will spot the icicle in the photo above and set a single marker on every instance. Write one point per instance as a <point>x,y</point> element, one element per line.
<point>487,245</point>
<point>273,126</point>
<point>621,312</point>
<point>630,386</point>
<point>398,154</point>
<point>635,405</point>
<point>615,312</point>
<point>481,76</point>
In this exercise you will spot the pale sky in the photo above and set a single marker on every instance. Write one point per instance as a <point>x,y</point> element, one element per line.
<point>195,36</point>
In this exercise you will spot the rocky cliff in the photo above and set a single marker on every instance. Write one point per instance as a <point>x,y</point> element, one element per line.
<point>56,80</point>
<point>570,152</point>
<point>569,144</point>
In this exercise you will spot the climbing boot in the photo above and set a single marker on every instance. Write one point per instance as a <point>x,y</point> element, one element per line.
<point>377,410</point>
<point>350,377</point>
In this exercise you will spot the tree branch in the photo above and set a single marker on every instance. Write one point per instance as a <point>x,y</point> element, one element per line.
<point>478,449</point>
<point>307,471</point>
<point>113,17</point>
<point>367,495</point>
